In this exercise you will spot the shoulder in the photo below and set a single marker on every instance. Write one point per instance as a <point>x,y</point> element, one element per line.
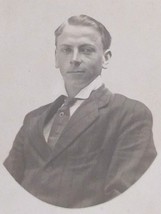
<point>127,103</point>
<point>38,112</point>
<point>119,102</point>
<point>131,110</point>
<point>127,107</point>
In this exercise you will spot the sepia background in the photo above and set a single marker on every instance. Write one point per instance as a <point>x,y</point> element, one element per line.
<point>28,79</point>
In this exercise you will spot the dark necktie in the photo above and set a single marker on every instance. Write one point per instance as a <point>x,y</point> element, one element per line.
<point>61,119</point>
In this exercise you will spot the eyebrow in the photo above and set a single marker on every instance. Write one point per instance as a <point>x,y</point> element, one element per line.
<point>65,45</point>
<point>89,45</point>
<point>83,45</point>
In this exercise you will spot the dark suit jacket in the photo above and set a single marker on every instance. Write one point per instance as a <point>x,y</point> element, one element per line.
<point>105,148</point>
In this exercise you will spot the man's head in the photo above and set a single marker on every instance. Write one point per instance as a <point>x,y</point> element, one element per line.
<point>82,50</point>
<point>84,20</point>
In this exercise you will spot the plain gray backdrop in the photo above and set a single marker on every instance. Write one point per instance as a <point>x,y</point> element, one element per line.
<point>29,79</point>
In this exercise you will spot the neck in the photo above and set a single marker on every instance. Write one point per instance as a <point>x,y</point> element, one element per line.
<point>74,87</point>
<point>73,90</point>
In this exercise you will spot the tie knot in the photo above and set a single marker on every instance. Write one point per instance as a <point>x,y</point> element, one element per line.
<point>69,101</point>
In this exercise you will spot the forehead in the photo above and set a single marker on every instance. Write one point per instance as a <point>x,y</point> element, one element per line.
<point>79,34</point>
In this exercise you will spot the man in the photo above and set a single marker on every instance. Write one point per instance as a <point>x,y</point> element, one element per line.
<point>88,147</point>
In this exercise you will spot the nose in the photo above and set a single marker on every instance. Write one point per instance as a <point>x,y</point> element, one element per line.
<point>75,59</point>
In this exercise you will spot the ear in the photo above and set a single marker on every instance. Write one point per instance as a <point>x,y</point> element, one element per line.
<point>56,60</point>
<point>107,55</point>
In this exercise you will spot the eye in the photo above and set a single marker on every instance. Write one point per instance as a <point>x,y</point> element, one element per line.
<point>66,50</point>
<point>87,50</point>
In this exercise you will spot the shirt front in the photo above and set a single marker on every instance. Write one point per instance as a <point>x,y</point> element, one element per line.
<point>81,96</point>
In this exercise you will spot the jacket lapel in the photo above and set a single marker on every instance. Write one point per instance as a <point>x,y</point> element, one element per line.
<point>37,125</point>
<point>84,116</point>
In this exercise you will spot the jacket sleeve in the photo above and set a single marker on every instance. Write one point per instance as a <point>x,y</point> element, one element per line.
<point>134,150</point>
<point>15,162</point>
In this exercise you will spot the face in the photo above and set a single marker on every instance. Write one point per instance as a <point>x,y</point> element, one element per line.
<point>80,55</point>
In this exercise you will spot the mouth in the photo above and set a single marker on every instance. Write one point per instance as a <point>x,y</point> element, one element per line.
<point>76,72</point>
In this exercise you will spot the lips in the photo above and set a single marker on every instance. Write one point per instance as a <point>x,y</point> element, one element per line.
<point>76,72</point>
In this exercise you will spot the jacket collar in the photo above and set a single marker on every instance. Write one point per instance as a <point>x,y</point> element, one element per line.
<point>84,116</point>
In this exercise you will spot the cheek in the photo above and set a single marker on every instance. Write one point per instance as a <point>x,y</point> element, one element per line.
<point>96,63</point>
<point>62,62</point>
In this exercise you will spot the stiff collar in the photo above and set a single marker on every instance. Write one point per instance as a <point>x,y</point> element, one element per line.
<point>85,92</point>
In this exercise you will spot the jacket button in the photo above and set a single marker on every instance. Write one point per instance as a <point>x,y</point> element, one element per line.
<point>61,114</point>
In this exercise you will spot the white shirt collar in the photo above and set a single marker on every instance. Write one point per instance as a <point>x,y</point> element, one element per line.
<point>85,92</point>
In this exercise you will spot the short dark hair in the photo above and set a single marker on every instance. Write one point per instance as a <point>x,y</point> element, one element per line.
<point>84,20</point>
